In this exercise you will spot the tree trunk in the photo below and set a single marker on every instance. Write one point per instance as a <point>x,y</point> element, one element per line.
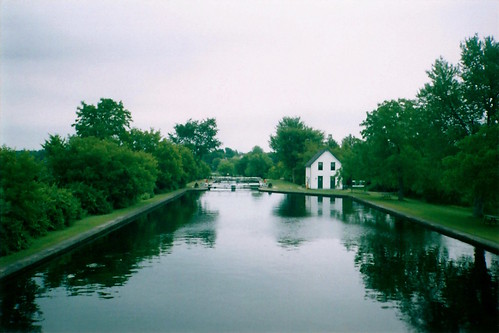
<point>401,188</point>
<point>478,205</point>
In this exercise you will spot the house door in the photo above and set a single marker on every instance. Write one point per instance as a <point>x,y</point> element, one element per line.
<point>332,182</point>
<point>319,182</point>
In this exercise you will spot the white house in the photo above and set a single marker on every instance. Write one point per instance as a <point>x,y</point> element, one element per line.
<point>322,171</point>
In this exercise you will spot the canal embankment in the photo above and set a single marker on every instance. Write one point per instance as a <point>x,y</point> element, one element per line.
<point>44,249</point>
<point>439,223</point>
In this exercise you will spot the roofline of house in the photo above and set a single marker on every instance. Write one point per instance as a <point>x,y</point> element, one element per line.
<point>316,156</point>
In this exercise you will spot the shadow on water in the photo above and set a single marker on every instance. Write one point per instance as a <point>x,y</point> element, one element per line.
<point>97,269</point>
<point>405,266</point>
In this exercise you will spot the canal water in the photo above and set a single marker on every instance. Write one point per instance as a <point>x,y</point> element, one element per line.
<point>246,261</point>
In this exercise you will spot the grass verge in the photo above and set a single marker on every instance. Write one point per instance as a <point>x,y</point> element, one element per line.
<point>81,226</point>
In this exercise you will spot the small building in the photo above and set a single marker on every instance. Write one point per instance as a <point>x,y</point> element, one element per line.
<point>323,171</point>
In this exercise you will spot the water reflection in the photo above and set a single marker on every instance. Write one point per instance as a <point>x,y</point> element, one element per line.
<point>404,266</point>
<point>201,260</point>
<point>292,205</point>
<point>19,311</point>
<point>108,262</point>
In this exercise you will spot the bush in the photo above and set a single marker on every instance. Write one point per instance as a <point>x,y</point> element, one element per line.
<point>20,215</point>
<point>60,207</point>
<point>102,174</point>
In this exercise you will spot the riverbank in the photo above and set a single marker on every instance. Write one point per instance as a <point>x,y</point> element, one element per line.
<point>84,230</point>
<point>452,221</point>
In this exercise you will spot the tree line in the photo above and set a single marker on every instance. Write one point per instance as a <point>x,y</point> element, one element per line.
<point>106,165</point>
<point>442,146</point>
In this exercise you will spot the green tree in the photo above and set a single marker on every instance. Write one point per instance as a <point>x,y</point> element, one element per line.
<point>392,160</point>
<point>19,200</point>
<point>455,104</point>
<point>193,169</point>
<point>170,166</point>
<point>226,168</point>
<point>474,170</point>
<point>29,207</point>
<point>352,167</point>
<point>258,163</point>
<point>147,141</point>
<point>294,143</point>
<point>480,75</point>
<point>101,173</point>
<point>199,136</point>
<point>107,120</point>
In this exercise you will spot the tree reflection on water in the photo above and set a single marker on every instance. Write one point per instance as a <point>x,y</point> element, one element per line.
<point>402,265</point>
<point>96,269</point>
<point>408,265</point>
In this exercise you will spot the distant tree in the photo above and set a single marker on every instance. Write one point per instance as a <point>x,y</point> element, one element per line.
<point>199,136</point>
<point>147,141</point>
<point>226,168</point>
<point>352,153</point>
<point>331,143</point>
<point>258,163</point>
<point>107,120</point>
<point>230,153</point>
<point>193,169</point>
<point>294,143</point>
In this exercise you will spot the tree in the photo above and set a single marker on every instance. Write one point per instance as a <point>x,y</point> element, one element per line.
<point>392,160</point>
<point>170,166</point>
<point>199,136</point>
<point>443,105</point>
<point>351,160</point>
<point>107,120</point>
<point>139,140</point>
<point>226,168</point>
<point>19,200</point>
<point>473,171</point>
<point>258,163</point>
<point>101,173</point>
<point>456,103</point>
<point>480,74</point>
<point>29,207</point>
<point>294,143</point>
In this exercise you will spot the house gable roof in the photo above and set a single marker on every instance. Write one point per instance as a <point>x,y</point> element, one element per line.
<point>316,156</point>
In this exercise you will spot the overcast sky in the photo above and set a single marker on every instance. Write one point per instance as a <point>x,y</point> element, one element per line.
<point>245,63</point>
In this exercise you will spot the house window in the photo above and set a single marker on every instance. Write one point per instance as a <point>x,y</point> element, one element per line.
<point>320,165</point>
<point>333,166</point>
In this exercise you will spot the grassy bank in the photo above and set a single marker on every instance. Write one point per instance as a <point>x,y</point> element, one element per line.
<point>453,217</point>
<point>79,227</point>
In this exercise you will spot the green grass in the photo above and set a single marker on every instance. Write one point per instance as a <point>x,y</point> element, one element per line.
<point>452,217</point>
<point>88,223</point>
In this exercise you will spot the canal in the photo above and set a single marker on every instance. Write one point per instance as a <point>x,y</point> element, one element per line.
<point>247,261</point>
